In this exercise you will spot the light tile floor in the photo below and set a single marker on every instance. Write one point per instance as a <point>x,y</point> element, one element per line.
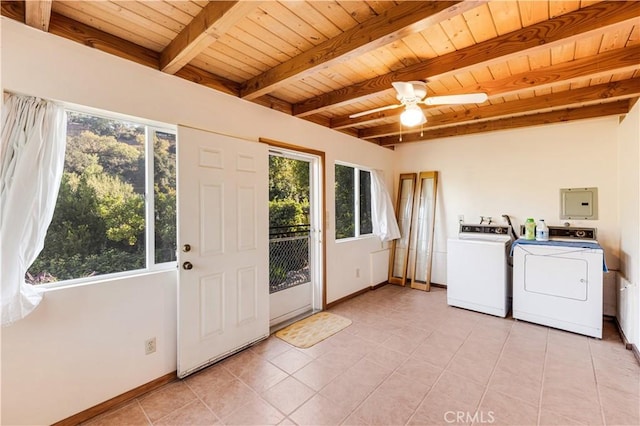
<point>408,358</point>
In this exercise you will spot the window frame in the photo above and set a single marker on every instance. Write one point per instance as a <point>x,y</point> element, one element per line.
<point>356,194</point>
<point>151,128</point>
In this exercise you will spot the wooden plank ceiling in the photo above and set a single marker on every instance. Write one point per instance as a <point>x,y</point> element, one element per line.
<point>538,61</point>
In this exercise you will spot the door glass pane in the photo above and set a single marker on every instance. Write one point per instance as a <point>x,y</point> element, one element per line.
<point>404,223</point>
<point>423,240</point>
<point>289,227</point>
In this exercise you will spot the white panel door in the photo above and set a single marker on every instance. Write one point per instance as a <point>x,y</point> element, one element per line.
<point>223,227</point>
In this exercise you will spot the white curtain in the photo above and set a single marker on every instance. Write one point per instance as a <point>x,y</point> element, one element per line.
<point>32,159</point>
<point>385,225</point>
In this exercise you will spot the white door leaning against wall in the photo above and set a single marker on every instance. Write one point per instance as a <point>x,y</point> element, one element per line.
<point>223,292</point>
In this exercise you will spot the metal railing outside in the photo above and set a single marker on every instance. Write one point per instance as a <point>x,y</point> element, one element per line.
<point>288,256</point>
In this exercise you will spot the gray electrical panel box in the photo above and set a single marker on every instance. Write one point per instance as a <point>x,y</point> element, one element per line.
<point>579,203</point>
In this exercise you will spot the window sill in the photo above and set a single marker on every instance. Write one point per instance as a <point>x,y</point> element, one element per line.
<point>79,282</point>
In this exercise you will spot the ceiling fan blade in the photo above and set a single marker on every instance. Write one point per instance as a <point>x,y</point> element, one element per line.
<point>469,98</point>
<point>404,89</point>
<point>371,111</point>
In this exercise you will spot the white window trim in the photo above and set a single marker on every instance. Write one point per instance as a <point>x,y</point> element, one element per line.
<point>160,267</point>
<point>150,199</point>
<point>356,189</point>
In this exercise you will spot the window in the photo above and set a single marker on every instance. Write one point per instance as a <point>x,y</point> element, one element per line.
<point>103,223</point>
<point>353,202</point>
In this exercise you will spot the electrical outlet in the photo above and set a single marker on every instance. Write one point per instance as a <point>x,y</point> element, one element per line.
<point>150,346</point>
<point>460,218</point>
<point>357,272</point>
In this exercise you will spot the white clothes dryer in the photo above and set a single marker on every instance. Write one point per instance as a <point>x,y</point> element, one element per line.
<point>558,283</point>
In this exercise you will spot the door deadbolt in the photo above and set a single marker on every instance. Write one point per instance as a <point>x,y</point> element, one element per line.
<point>186,248</point>
<point>187,265</point>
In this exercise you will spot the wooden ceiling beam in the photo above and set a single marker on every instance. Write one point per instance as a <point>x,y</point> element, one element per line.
<point>571,26</point>
<point>205,78</point>
<point>13,9</point>
<point>89,36</point>
<point>213,21</point>
<point>272,102</point>
<point>393,24</point>
<point>37,14</point>
<point>618,90</point>
<point>618,60</point>
<point>92,37</point>
<point>593,111</point>
<point>322,121</point>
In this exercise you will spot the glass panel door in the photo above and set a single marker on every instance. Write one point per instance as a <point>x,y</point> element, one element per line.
<point>293,234</point>
<point>426,209</point>
<point>400,247</point>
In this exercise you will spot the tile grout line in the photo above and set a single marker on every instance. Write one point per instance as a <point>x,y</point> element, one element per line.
<point>197,398</point>
<point>379,384</point>
<point>544,370</point>
<point>144,411</point>
<point>392,371</point>
<point>382,382</point>
<point>289,375</point>
<point>317,392</point>
<point>595,377</point>
<point>259,394</point>
<point>493,370</point>
<point>173,411</point>
<point>286,416</point>
<point>444,369</point>
<point>201,400</point>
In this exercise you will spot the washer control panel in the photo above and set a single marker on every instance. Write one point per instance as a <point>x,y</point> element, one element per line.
<point>484,229</point>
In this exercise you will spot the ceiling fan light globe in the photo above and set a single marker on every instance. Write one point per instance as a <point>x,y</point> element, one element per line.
<point>412,116</point>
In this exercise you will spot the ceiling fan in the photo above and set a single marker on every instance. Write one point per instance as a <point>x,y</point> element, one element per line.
<point>412,93</point>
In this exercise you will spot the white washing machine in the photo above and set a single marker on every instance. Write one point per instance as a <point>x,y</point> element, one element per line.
<point>558,283</point>
<point>478,273</point>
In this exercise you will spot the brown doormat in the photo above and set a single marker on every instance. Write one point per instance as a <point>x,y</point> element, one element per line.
<point>309,331</point>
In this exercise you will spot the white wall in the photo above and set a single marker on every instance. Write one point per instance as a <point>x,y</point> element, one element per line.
<point>519,173</point>
<point>629,207</point>
<point>84,345</point>
<point>50,360</point>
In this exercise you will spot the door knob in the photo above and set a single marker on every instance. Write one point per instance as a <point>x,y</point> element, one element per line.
<point>186,248</point>
<point>187,265</point>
